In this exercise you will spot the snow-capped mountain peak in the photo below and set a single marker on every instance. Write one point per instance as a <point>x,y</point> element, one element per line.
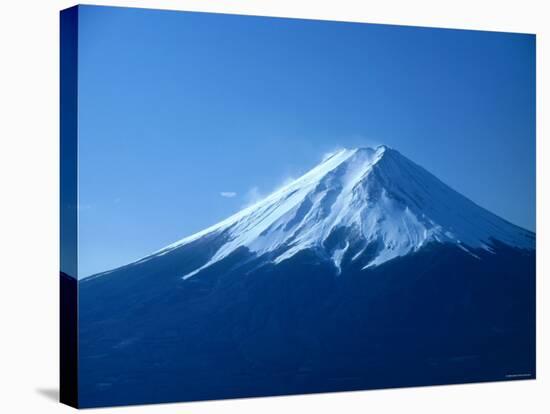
<point>365,202</point>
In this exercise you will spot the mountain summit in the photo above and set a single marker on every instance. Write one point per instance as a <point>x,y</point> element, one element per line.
<point>369,205</point>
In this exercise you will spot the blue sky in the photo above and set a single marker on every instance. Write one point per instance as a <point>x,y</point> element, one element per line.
<point>177,108</point>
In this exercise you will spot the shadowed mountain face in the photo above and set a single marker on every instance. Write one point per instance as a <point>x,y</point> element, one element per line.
<point>366,272</point>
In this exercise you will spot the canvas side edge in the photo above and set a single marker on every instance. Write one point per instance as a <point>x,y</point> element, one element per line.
<point>68,306</point>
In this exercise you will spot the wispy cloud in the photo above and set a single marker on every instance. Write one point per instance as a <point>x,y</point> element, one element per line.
<point>252,196</point>
<point>329,154</point>
<point>362,140</point>
<point>228,194</point>
<point>286,181</point>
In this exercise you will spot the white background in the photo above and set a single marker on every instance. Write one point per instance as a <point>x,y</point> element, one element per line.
<point>29,194</point>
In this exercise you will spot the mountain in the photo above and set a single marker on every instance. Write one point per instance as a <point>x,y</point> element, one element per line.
<point>366,272</point>
<point>371,205</point>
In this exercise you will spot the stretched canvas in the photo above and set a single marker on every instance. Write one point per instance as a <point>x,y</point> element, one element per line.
<point>256,206</point>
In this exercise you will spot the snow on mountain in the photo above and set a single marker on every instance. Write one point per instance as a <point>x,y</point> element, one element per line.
<point>375,198</point>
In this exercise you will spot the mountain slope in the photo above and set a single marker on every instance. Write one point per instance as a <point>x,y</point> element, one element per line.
<point>367,272</point>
